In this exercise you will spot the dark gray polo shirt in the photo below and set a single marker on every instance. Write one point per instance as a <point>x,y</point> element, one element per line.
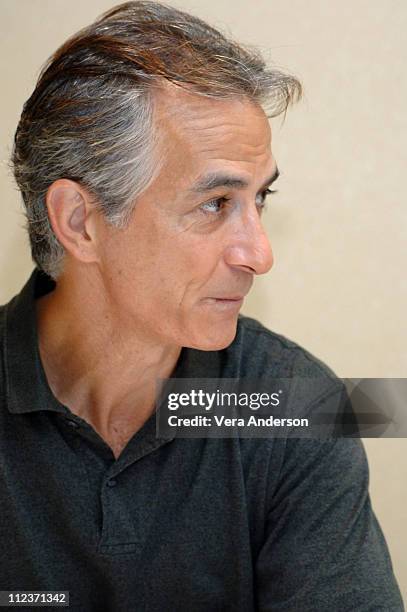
<point>174,524</point>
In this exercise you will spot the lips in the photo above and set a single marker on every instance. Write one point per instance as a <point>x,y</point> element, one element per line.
<point>227,301</point>
<point>233,298</point>
<point>224,304</point>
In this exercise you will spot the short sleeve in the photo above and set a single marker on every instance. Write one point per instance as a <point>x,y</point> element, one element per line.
<point>323,549</point>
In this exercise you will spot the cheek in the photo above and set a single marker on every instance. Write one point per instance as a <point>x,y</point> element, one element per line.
<point>163,263</point>
<point>193,261</point>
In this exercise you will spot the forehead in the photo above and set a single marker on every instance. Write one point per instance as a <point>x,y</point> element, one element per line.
<point>196,131</point>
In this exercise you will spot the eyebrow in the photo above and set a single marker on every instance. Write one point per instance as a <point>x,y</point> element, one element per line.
<point>213,180</point>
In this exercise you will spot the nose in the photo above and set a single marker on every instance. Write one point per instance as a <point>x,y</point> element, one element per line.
<point>250,248</point>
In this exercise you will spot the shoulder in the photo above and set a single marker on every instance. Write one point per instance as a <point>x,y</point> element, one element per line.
<point>264,351</point>
<point>310,386</point>
<point>3,311</point>
<point>3,319</point>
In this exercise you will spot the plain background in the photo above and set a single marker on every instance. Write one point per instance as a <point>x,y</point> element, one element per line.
<point>337,227</point>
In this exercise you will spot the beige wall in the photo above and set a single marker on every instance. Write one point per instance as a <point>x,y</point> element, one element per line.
<point>338,227</point>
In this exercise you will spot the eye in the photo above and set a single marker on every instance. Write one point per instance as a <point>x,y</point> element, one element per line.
<point>214,207</point>
<point>261,201</point>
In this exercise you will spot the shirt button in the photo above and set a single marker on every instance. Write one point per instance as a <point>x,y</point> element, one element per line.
<point>73,424</point>
<point>112,482</point>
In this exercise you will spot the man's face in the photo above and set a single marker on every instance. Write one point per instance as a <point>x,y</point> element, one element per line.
<point>179,272</point>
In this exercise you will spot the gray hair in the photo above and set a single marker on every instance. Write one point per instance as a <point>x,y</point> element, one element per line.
<point>91,116</point>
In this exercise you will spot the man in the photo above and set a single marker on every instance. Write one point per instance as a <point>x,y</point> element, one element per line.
<point>144,160</point>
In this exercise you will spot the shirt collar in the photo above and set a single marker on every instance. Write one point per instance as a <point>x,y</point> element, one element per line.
<point>26,384</point>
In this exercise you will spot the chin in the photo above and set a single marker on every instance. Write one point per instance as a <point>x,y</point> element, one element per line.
<point>214,338</point>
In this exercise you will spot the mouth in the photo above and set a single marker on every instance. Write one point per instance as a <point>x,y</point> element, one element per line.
<point>239,298</point>
<point>225,303</point>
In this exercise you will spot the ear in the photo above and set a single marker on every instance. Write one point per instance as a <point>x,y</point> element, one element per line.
<point>72,217</point>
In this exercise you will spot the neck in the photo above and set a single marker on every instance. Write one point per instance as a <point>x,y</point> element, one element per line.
<point>100,367</point>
